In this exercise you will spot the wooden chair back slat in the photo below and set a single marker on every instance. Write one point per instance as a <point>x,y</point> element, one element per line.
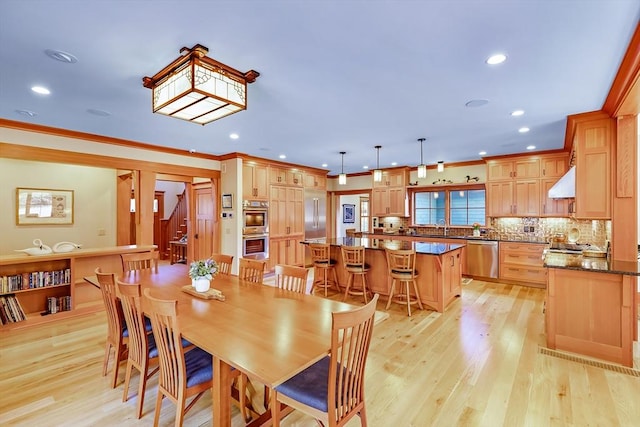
<point>291,278</point>
<point>224,263</point>
<point>140,261</point>
<point>251,270</point>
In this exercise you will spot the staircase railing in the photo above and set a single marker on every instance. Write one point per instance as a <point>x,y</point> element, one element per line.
<point>176,224</point>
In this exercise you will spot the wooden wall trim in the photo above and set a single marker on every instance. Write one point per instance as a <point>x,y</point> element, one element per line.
<point>49,155</point>
<point>67,133</point>
<point>623,95</point>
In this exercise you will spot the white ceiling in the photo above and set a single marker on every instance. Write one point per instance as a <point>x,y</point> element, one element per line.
<point>335,75</point>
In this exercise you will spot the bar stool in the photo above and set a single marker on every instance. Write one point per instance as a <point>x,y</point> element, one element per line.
<point>354,265</point>
<point>401,264</point>
<point>322,265</point>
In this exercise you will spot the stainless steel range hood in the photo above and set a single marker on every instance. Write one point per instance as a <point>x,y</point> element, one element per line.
<point>565,188</point>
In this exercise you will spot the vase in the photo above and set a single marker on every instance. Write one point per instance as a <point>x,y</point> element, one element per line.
<point>202,284</point>
<point>476,233</point>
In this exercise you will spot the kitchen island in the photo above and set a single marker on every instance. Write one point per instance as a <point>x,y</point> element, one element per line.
<point>591,307</point>
<point>438,265</point>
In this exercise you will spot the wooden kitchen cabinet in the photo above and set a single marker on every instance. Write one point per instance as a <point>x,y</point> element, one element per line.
<point>255,181</point>
<point>389,197</point>
<point>287,250</point>
<point>285,176</point>
<point>286,211</point>
<point>554,165</point>
<point>592,143</point>
<point>393,178</point>
<point>521,168</point>
<point>522,263</point>
<point>591,313</point>
<point>552,207</point>
<point>317,181</point>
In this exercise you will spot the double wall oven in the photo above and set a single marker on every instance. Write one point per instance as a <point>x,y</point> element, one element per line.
<point>255,229</point>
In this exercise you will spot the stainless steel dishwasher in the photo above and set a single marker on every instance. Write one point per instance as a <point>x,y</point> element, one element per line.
<point>482,258</point>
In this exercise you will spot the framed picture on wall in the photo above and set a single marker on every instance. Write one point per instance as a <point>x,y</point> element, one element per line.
<point>348,214</point>
<point>40,206</point>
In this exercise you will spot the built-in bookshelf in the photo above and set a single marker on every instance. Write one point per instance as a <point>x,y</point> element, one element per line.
<point>43,288</point>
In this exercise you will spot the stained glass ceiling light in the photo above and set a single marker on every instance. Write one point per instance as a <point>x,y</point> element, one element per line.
<point>199,89</point>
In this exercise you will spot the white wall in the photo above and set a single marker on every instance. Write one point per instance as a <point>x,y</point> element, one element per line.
<point>94,204</point>
<point>351,199</point>
<point>171,191</point>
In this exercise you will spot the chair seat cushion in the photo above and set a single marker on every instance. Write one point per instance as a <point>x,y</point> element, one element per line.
<point>408,273</point>
<point>147,327</point>
<point>309,386</point>
<point>357,267</point>
<point>199,366</point>
<point>153,350</point>
<point>325,263</point>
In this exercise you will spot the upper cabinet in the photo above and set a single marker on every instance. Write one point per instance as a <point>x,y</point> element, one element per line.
<point>255,181</point>
<point>592,145</point>
<point>389,197</point>
<point>393,178</point>
<point>554,165</point>
<point>516,168</point>
<point>313,180</point>
<point>285,176</point>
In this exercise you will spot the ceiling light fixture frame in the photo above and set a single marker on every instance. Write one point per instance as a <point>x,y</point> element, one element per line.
<point>377,172</point>
<point>440,166</point>
<point>422,168</point>
<point>199,89</point>
<point>342,178</point>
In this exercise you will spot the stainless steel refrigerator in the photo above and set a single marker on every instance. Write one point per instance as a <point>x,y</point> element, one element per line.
<point>315,217</point>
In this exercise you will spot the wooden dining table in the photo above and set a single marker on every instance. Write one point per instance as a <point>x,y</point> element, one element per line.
<point>266,332</point>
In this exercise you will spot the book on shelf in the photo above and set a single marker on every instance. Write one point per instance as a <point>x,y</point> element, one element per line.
<point>34,280</point>
<point>10,309</point>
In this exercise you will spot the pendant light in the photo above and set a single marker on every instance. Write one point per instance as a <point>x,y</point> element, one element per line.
<point>422,168</point>
<point>440,166</point>
<point>377,173</point>
<point>342,178</point>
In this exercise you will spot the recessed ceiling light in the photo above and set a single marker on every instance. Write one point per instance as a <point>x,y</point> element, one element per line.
<point>234,136</point>
<point>394,163</point>
<point>96,112</point>
<point>365,167</point>
<point>482,153</point>
<point>192,150</point>
<point>27,113</point>
<point>282,156</point>
<point>61,56</point>
<point>531,147</point>
<point>498,58</point>
<point>41,90</point>
<point>324,165</point>
<point>517,113</point>
<point>524,130</point>
<point>477,103</point>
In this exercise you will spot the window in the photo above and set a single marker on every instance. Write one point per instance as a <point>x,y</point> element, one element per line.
<point>456,207</point>
<point>364,214</point>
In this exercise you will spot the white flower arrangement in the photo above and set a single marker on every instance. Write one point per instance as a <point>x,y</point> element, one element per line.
<point>207,268</point>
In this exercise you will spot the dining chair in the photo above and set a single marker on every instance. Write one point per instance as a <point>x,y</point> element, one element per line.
<point>143,352</point>
<point>183,375</point>
<point>332,389</point>
<point>323,265</point>
<point>224,263</point>
<point>355,266</point>
<point>117,336</point>
<point>251,270</point>
<point>291,278</point>
<point>401,264</point>
<point>140,261</point>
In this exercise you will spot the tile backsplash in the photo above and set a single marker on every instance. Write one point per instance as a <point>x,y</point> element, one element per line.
<point>594,232</point>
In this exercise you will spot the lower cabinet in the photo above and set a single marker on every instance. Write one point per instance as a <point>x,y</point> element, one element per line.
<point>286,250</point>
<point>522,263</point>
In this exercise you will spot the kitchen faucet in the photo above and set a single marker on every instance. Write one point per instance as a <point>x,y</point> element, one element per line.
<point>444,224</point>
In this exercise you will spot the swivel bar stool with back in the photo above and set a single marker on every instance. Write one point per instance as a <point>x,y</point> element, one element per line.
<point>402,268</point>
<point>323,266</point>
<point>354,265</point>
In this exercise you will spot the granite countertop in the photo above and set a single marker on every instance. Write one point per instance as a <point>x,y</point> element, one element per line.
<point>582,263</point>
<point>424,248</point>
<point>524,239</point>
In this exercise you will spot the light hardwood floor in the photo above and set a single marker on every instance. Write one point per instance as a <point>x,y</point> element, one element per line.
<point>478,364</point>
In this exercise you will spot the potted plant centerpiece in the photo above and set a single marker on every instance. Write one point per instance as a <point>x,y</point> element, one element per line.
<point>476,229</point>
<point>201,273</point>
